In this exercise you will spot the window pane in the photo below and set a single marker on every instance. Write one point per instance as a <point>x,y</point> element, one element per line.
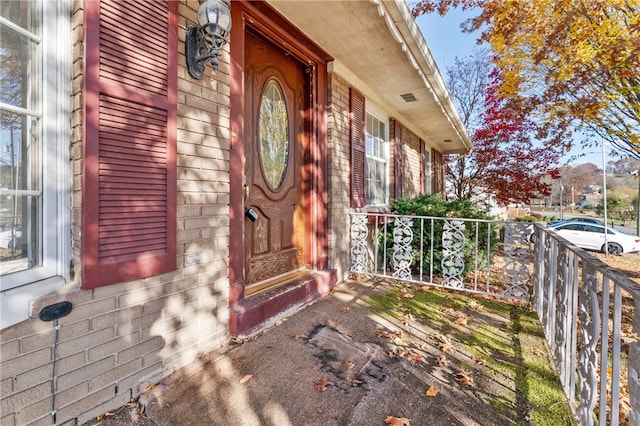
<point>17,53</point>
<point>20,150</point>
<point>274,135</point>
<point>377,161</point>
<point>25,14</point>
<point>18,234</point>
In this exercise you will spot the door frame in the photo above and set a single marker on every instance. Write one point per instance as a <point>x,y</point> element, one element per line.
<point>260,18</point>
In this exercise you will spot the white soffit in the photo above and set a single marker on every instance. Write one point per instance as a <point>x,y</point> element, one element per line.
<point>379,42</point>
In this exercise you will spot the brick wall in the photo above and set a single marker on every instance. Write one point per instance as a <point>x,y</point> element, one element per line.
<point>120,338</point>
<point>339,156</point>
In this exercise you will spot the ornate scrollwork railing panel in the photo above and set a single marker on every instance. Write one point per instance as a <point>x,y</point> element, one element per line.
<point>359,238</point>
<point>517,258</point>
<point>402,239</point>
<point>453,240</point>
<point>561,313</point>
<point>634,367</point>
<point>589,315</point>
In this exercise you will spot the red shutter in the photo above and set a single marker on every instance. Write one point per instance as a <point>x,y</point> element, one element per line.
<point>130,112</point>
<point>398,159</point>
<point>358,125</point>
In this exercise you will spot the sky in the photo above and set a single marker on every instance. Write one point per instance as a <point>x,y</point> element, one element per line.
<point>447,41</point>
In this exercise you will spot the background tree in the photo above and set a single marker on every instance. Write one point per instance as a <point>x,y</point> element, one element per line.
<point>507,162</point>
<point>571,64</point>
<point>620,204</point>
<point>468,80</point>
<point>626,165</point>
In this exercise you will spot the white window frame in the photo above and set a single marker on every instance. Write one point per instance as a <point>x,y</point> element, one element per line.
<point>18,290</point>
<point>383,156</point>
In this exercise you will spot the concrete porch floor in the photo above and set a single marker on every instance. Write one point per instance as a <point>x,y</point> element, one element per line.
<point>346,360</point>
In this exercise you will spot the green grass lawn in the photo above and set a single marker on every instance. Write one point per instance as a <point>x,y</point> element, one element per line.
<point>501,344</point>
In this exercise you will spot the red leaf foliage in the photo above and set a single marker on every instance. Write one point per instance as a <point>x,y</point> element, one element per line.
<point>507,160</point>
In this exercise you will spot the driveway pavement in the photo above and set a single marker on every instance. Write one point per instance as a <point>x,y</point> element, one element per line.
<point>333,363</point>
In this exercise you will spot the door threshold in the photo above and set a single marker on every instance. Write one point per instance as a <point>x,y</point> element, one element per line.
<point>274,282</point>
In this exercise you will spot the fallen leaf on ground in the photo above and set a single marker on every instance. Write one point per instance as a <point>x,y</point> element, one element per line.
<point>388,334</point>
<point>449,311</point>
<point>479,361</point>
<point>141,412</point>
<point>463,377</point>
<point>148,388</point>
<point>440,337</point>
<point>447,348</point>
<point>538,352</point>
<point>475,305</point>
<point>246,378</point>
<point>298,336</point>
<point>462,320</point>
<point>344,309</point>
<point>398,353</point>
<point>347,363</point>
<point>397,421</point>
<point>409,296</point>
<point>351,380</point>
<point>432,391</point>
<point>396,336</point>
<point>322,384</point>
<point>441,361</point>
<point>415,357</point>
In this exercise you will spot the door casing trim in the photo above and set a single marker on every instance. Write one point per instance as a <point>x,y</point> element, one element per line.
<point>260,18</point>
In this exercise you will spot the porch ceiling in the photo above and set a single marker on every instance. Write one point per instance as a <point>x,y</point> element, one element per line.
<point>378,43</point>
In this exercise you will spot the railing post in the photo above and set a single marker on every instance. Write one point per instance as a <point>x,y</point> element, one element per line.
<point>359,252</point>
<point>634,367</point>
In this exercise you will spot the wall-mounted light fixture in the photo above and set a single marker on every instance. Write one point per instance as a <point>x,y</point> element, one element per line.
<point>205,40</point>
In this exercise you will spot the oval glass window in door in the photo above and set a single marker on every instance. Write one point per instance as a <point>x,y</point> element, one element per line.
<point>274,134</point>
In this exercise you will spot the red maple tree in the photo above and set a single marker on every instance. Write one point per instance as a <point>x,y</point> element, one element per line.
<point>508,161</point>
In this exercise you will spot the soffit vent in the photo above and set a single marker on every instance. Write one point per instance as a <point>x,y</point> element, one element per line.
<point>408,97</point>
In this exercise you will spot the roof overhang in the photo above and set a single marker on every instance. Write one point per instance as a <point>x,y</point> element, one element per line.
<point>378,45</point>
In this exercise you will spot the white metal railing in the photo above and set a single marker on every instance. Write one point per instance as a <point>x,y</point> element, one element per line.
<point>591,318</point>
<point>448,252</point>
<point>577,297</point>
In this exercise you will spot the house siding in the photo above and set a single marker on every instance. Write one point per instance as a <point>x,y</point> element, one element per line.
<point>120,338</point>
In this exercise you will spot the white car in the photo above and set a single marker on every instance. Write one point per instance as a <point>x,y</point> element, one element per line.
<point>591,236</point>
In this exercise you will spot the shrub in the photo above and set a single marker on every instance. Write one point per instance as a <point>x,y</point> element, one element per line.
<point>435,206</point>
<point>529,218</point>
